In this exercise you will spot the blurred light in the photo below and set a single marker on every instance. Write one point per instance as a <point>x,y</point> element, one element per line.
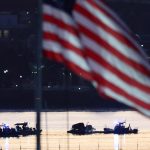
<point>142,45</point>
<point>6,144</point>
<point>48,86</point>
<point>115,123</point>
<point>118,121</point>
<point>27,12</point>
<point>5,125</point>
<point>5,71</point>
<point>42,66</point>
<point>34,72</point>
<point>20,76</point>
<point>16,85</point>
<point>116,142</point>
<point>6,33</point>
<point>79,88</point>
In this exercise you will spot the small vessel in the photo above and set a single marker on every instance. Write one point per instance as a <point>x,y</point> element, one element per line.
<point>81,129</point>
<point>121,129</point>
<point>24,130</point>
<point>20,129</point>
<point>6,131</point>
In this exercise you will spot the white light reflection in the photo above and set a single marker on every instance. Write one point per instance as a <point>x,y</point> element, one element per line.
<point>6,144</point>
<point>116,142</point>
<point>119,141</point>
<point>124,139</point>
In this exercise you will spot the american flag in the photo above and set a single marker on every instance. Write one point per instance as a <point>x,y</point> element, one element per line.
<point>61,40</point>
<point>94,42</point>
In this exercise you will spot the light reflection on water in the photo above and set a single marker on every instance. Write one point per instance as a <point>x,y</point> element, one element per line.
<point>119,141</point>
<point>116,142</point>
<point>57,127</point>
<point>6,144</point>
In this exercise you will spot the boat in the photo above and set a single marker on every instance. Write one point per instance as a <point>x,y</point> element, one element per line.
<point>81,129</point>
<point>24,130</point>
<point>6,131</point>
<point>20,129</point>
<point>121,129</point>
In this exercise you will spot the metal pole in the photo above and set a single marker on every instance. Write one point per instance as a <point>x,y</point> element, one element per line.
<point>38,85</point>
<point>59,146</point>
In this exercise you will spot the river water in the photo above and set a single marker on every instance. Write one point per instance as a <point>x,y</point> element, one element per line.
<point>55,125</point>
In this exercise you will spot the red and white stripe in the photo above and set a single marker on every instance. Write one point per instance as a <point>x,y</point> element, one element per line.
<point>98,45</point>
<point>117,62</point>
<point>61,40</point>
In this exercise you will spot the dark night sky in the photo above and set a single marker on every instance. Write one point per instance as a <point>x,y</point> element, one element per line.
<point>17,4</point>
<point>134,14</point>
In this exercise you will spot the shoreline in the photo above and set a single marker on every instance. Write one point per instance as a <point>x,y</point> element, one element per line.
<point>69,110</point>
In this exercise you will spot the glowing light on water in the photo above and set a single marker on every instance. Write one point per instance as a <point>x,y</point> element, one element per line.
<point>119,141</point>
<point>124,139</point>
<point>116,142</point>
<point>6,144</point>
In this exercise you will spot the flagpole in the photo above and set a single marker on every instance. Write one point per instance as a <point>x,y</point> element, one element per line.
<point>38,81</point>
<point>68,5</point>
